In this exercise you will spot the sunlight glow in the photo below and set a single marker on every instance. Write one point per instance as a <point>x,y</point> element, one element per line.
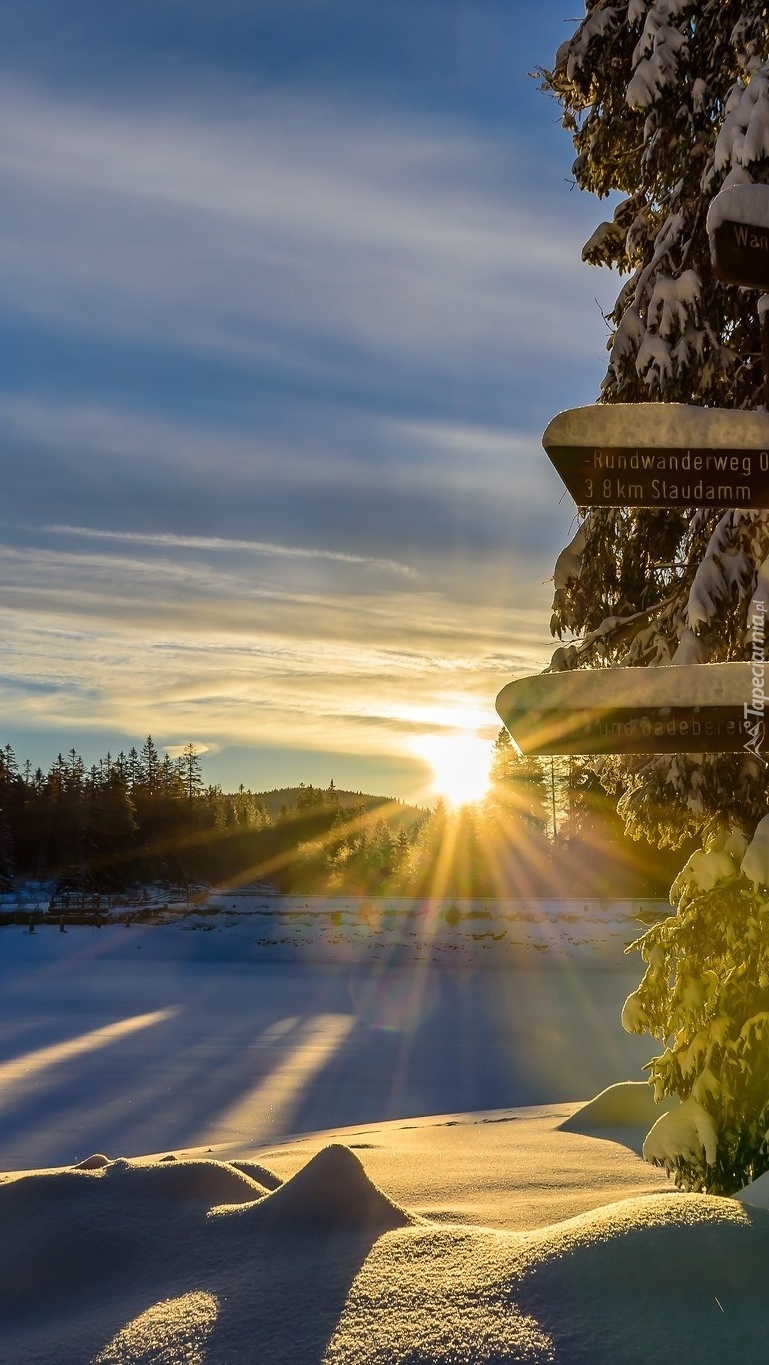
<point>29,1063</point>
<point>174,1329</point>
<point>314,1041</point>
<point>460,765</point>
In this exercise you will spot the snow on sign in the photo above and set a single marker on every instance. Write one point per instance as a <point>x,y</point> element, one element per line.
<point>661,455</point>
<point>687,708</point>
<point>738,229</point>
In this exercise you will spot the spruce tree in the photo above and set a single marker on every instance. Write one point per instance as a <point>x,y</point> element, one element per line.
<point>10,783</point>
<point>518,783</point>
<point>667,102</point>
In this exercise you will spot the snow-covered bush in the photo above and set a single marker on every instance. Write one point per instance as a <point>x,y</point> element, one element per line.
<point>705,999</point>
<point>667,102</point>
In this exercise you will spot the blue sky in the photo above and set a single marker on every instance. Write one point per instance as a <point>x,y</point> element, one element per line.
<point>290,292</point>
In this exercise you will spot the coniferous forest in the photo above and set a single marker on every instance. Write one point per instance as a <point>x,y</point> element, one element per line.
<point>141,818</point>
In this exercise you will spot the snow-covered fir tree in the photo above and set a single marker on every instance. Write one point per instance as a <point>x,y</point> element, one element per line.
<point>667,102</point>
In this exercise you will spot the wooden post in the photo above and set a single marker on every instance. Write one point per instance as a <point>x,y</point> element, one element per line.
<point>763,315</point>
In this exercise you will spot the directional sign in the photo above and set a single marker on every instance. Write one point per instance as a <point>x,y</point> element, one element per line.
<point>661,455</point>
<point>738,229</point>
<point>694,708</point>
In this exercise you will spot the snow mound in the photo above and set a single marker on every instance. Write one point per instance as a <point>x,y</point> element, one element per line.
<point>671,426</point>
<point>261,1174</point>
<point>92,1163</point>
<point>663,1278</point>
<point>739,204</point>
<point>161,1183</point>
<point>46,1193</point>
<point>657,1236</point>
<point>88,1273</point>
<point>332,1191</point>
<point>628,1104</point>
<point>194,1181</point>
<point>724,684</point>
<point>756,1193</point>
<point>660,1278</point>
<point>175,1330</point>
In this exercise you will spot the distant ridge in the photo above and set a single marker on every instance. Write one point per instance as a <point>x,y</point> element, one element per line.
<point>392,809</point>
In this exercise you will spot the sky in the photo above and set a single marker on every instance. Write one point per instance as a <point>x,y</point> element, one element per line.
<point>291,291</point>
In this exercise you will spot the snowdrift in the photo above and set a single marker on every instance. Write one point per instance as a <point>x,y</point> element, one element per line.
<point>159,1261</point>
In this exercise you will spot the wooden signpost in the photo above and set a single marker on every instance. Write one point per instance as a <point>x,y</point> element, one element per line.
<point>692,708</point>
<point>648,455</point>
<point>661,455</point>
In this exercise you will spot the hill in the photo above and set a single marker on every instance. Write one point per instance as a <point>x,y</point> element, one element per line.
<point>398,814</point>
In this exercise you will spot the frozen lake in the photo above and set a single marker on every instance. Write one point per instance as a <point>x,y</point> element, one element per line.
<point>111,1041</point>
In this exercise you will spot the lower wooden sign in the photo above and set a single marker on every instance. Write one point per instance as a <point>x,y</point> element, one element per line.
<point>692,708</point>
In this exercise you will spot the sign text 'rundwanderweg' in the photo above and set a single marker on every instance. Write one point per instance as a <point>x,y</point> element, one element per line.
<point>643,477</point>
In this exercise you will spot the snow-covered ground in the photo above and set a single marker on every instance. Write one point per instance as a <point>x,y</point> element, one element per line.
<point>347,1174</point>
<point>233,1027</point>
<point>454,1240</point>
<point>346,929</point>
<point>452,931</point>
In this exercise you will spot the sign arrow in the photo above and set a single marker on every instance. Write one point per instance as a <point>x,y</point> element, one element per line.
<point>661,455</point>
<point>688,708</point>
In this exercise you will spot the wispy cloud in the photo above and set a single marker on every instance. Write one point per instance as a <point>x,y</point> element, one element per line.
<point>440,491</point>
<point>166,597</point>
<point>209,446</point>
<point>269,230</point>
<point>169,541</point>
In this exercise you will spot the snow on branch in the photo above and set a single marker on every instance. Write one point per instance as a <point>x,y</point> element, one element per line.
<point>744,135</point>
<point>659,69</point>
<point>654,362</point>
<point>686,1134</point>
<point>576,51</point>
<point>569,562</point>
<point>723,575</point>
<point>755,864</point>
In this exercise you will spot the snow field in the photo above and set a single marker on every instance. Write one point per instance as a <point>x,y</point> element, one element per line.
<point>376,1249</point>
<point>483,1234</point>
<point>228,925</point>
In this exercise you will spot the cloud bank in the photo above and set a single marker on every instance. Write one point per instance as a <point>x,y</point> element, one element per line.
<point>270,428</point>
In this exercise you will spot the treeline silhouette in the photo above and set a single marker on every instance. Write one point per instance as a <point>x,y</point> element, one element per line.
<point>139,818</point>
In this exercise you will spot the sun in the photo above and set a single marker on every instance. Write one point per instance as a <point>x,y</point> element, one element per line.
<point>460,765</point>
